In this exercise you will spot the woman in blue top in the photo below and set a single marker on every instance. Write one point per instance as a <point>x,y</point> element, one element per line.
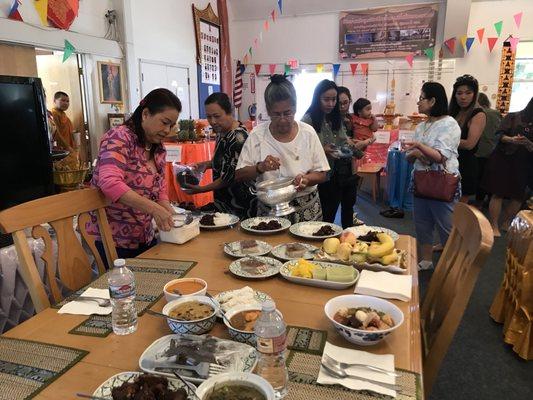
<point>435,145</point>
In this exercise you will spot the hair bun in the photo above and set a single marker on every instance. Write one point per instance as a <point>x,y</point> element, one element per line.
<point>278,78</point>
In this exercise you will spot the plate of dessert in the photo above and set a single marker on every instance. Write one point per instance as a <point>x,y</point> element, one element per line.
<point>294,251</point>
<point>243,248</point>
<point>315,230</point>
<point>264,225</point>
<point>245,296</point>
<point>218,220</point>
<point>255,267</point>
<point>320,274</point>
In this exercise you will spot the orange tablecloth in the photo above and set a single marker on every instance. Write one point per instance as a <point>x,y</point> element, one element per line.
<point>191,153</point>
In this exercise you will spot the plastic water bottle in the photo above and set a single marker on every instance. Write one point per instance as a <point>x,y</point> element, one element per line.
<point>122,293</point>
<point>271,345</point>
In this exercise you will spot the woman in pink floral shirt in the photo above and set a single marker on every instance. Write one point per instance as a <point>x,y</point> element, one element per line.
<point>130,171</point>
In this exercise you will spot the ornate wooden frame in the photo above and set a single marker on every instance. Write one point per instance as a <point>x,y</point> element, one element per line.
<point>207,15</point>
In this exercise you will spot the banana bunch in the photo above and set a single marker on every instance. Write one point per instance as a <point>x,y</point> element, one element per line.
<point>383,251</point>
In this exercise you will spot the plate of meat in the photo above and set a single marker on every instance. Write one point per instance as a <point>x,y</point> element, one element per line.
<point>265,225</point>
<point>255,267</point>
<point>315,230</point>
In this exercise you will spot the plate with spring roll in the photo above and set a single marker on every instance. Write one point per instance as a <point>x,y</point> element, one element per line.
<point>320,274</point>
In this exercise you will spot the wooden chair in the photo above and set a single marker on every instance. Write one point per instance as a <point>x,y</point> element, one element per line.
<point>451,285</point>
<point>374,172</point>
<point>73,267</point>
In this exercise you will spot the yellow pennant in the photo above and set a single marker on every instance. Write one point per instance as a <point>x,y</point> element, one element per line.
<point>42,9</point>
<point>463,41</point>
<point>319,68</point>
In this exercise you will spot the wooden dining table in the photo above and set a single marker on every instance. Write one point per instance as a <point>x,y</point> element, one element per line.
<point>300,305</point>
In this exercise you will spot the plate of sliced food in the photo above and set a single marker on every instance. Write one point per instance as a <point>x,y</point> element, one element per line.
<point>255,267</point>
<point>315,230</point>
<point>368,234</point>
<point>294,251</point>
<point>245,296</point>
<point>218,220</point>
<point>320,274</point>
<point>379,255</point>
<point>244,248</point>
<point>265,225</point>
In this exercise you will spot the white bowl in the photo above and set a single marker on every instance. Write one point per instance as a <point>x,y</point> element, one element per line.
<point>358,336</point>
<point>240,335</point>
<point>242,378</point>
<point>169,296</point>
<point>197,327</point>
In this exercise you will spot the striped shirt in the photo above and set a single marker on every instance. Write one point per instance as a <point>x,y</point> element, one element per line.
<point>122,166</point>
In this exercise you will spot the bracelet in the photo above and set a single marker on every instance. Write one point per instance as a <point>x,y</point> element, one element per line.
<point>259,172</point>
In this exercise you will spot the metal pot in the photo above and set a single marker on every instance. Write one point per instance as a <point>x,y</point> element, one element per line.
<point>277,193</point>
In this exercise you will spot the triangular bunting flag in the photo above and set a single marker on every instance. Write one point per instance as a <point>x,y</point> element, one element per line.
<point>463,41</point>
<point>353,67</point>
<point>450,44</point>
<point>336,68</point>
<point>280,5</point>
<point>518,19</point>
<point>68,50</point>
<point>272,68</point>
<point>364,68</point>
<point>250,51</point>
<point>514,42</point>
<point>273,15</point>
<point>498,26</point>
<point>480,33</point>
<point>257,68</point>
<point>319,68</point>
<point>245,59</point>
<point>409,58</point>
<point>14,12</point>
<point>430,53</point>
<point>266,25</point>
<point>469,42</point>
<point>491,41</point>
<point>287,69</point>
<point>261,36</point>
<point>42,9</point>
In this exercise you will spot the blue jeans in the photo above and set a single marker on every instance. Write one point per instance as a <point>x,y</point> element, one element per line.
<point>431,214</point>
<point>123,252</point>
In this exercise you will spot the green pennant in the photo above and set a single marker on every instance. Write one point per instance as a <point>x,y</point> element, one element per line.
<point>498,27</point>
<point>250,51</point>
<point>287,69</point>
<point>430,53</point>
<point>68,50</point>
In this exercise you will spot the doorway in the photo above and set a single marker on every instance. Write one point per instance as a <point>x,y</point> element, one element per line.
<point>172,77</point>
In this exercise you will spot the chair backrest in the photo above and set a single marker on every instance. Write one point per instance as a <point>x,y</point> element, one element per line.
<point>73,266</point>
<point>451,285</point>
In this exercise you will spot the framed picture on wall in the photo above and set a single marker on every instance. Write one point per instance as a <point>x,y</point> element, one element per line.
<point>110,79</point>
<point>115,120</point>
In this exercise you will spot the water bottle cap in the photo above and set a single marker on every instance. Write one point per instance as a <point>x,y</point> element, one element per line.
<point>119,262</point>
<point>269,305</point>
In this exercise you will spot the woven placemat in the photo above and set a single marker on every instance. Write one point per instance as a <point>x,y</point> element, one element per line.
<point>28,367</point>
<point>150,277</point>
<point>303,372</point>
<point>306,339</point>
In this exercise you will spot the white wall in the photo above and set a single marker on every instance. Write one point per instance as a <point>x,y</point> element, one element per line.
<point>164,34</point>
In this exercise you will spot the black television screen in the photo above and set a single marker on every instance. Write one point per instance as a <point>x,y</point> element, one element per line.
<point>25,161</point>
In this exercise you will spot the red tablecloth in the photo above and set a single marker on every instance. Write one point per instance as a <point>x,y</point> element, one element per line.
<point>191,153</point>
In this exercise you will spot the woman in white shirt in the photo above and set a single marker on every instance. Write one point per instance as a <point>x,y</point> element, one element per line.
<point>285,147</point>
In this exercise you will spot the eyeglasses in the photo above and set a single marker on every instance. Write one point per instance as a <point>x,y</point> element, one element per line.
<point>278,116</point>
<point>422,98</point>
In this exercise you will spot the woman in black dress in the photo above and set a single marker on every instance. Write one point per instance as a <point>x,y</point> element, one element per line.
<point>472,119</point>
<point>509,167</point>
<point>230,196</point>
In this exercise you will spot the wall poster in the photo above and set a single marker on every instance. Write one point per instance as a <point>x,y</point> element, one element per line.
<point>387,32</point>
<point>209,43</point>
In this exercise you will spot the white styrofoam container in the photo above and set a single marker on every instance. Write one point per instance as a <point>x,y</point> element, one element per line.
<point>182,234</point>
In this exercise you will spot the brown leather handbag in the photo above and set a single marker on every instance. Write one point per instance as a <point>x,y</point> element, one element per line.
<point>435,184</point>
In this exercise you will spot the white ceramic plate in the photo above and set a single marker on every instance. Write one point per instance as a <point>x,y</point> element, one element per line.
<point>285,272</point>
<point>306,229</point>
<point>234,249</point>
<point>259,297</point>
<point>104,390</point>
<point>280,252</point>
<point>236,357</point>
<point>272,264</point>
<point>233,219</point>
<point>394,268</point>
<point>249,223</point>
<point>364,229</point>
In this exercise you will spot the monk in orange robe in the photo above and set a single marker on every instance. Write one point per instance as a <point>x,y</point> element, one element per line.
<point>63,134</point>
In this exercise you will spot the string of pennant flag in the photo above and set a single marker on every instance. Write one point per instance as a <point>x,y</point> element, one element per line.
<point>467,42</point>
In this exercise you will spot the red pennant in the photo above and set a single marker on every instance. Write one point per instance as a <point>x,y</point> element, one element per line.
<point>491,41</point>
<point>273,14</point>
<point>266,25</point>
<point>480,33</point>
<point>353,68</point>
<point>272,68</point>
<point>409,58</point>
<point>364,68</point>
<point>257,68</point>
<point>14,12</point>
<point>450,44</point>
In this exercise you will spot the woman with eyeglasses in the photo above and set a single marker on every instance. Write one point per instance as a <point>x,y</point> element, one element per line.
<point>472,119</point>
<point>341,188</point>
<point>435,146</point>
<point>288,148</point>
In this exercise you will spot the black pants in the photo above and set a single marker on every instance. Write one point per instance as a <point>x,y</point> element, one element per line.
<point>481,193</point>
<point>122,252</point>
<point>338,190</point>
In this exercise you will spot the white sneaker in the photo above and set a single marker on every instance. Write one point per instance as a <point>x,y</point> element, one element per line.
<point>425,265</point>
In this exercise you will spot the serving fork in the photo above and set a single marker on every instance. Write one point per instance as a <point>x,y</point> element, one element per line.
<point>343,366</point>
<point>203,369</point>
